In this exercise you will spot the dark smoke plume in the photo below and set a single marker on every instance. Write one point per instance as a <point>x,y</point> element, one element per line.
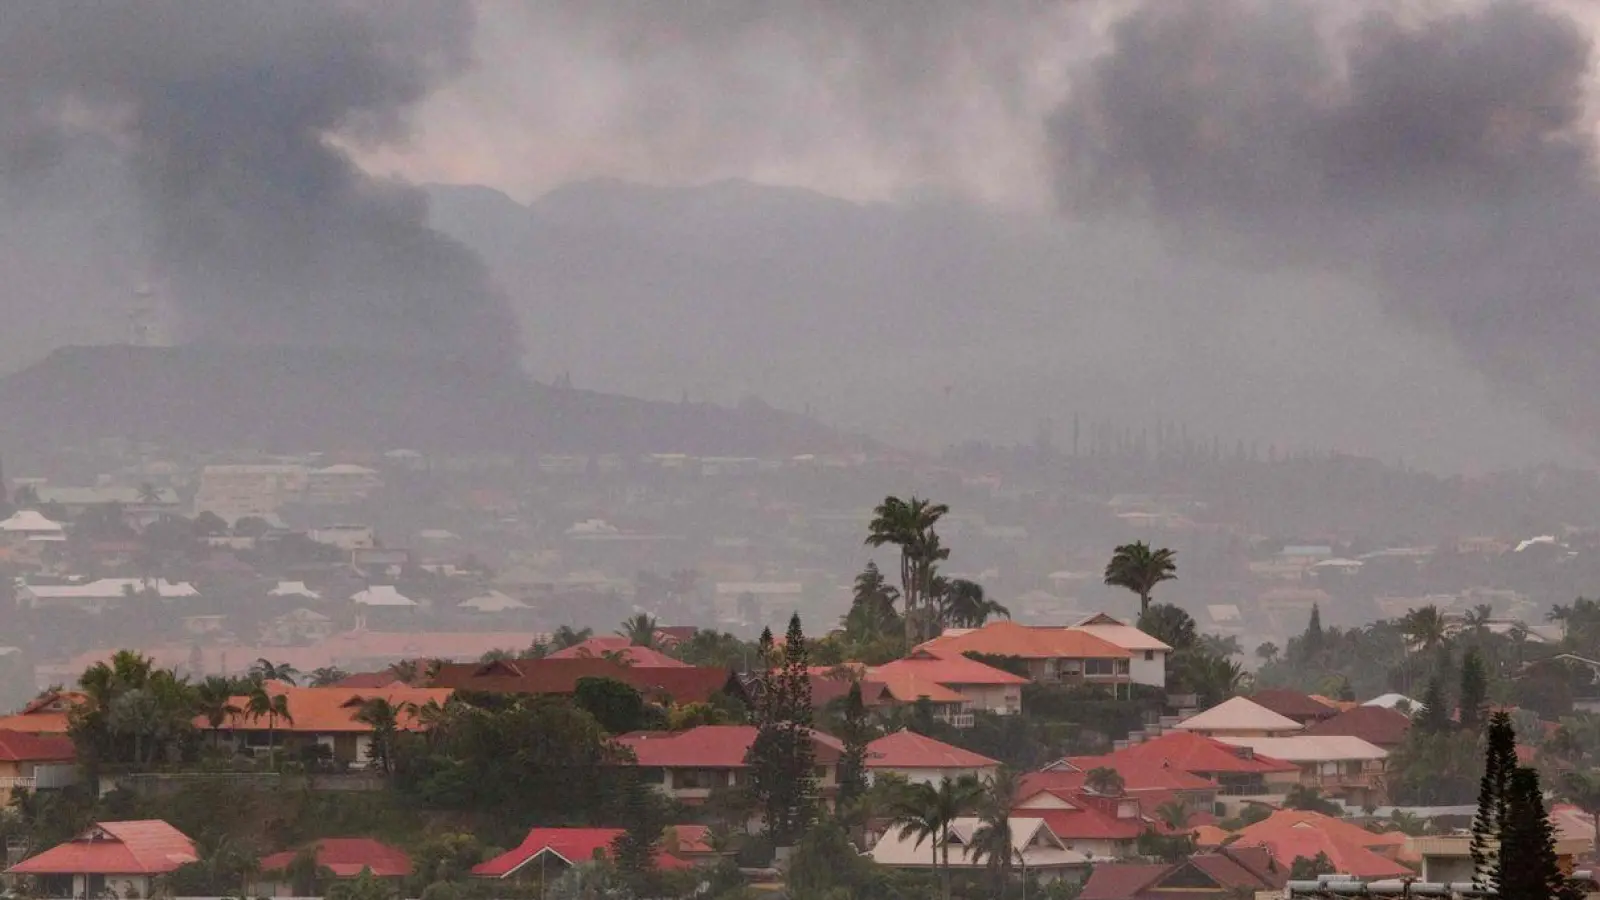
<point>265,230</point>
<point>1447,161</point>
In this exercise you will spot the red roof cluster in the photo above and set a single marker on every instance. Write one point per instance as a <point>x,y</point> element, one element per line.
<point>680,684</point>
<point>348,857</point>
<point>566,846</point>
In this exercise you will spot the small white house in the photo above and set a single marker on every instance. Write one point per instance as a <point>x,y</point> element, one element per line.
<point>1147,655</point>
<point>382,595</point>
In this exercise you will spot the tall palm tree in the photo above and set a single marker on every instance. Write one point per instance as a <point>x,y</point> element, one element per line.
<point>267,670</point>
<point>992,840</point>
<point>924,812</point>
<point>327,676</point>
<point>908,525</point>
<point>262,703</point>
<point>1423,627</point>
<point>640,630</point>
<point>1139,569</point>
<point>214,701</point>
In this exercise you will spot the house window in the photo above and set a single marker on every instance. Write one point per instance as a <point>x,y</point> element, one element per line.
<point>1149,656</point>
<point>1099,667</point>
<point>697,779</point>
<point>820,773</point>
<point>1122,667</point>
<point>652,776</point>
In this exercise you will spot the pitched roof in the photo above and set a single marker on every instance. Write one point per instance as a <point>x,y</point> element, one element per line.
<point>347,857</point>
<point>20,746</point>
<point>1031,837</point>
<point>44,714</point>
<point>905,749</point>
<point>381,595</point>
<point>322,710</point>
<point>570,846</point>
<point>1238,714</point>
<point>141,847</point>
<point>1121,633</point>
<point>1187,752</point>
<point>1137,777</point>
<point>1293,834</point>
<point>1374,724</point>
<point>682,684</point>
<point>1121,881</point>
<point>935,673</point>
<point>599,646</point>
<point>712,747</point>
<point>1007,638</point>
<point>1078,815</point>
<point>1292,704</point>
<point>1306,748</point>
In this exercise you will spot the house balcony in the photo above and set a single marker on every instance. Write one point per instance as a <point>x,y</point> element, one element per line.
<point>958,720</point>
<point>18,782</point>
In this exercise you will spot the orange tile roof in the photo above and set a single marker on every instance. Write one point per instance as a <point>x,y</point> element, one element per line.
<point>46,714</point>
<point>573,846</point>
<point>143,847</point>
<point>712,747</point>
<point>20,746</point>
<point>905,749</point>
<point>1137,778</point>
<point>1007,638</point>
<point>935,674</point>
<point>643,657</point>
<point>321,710</point>
<point>1293,833</point>
<point>1188,752</point>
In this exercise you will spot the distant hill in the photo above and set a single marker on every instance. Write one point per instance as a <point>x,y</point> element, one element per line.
<point>302,399</point>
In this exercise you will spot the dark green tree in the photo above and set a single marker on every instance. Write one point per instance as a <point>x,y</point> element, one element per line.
<point>854,731</point>
<point>1500,760</point>
<point>1169,624</point>
<point>1434,718</point>
<point>1304,869</point>
<point>642,825</point>
<point>1474,696</point>
<point>616,706</point>
<point>1529,869</point>
<point>781,757</point>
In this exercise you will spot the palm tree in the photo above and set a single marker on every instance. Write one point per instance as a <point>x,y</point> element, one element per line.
<point>1104,780</point>
<point>327,676</point>
<point>267,670</point>
<point>1477,619</point>
<point>263,704</point>
<point>965,606</point>
<point>1310,799</point>
<point>640,630</point>
<point>214,701</point>
<point>924,812</point>
<point>148,493</point>
<point>404,671</point>
<point>1267,652</point>
<point>567,636</point>
<point>908,525</point>
<point>1174,814</point>
<point>384,717</point>
<point>1139,569</point>
<point>1423,627</point>
<point>992,840</point>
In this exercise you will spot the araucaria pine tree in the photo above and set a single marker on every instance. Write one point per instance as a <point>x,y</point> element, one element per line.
<point>1530,870</point>
<point>1500,760</point>
<point>781,758</point>
<point>853,761</point>
<point>1474,697</point>
<point>635,848</point>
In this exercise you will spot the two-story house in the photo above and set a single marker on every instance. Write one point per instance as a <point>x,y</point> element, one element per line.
<point>956,685</point>
<point>1147,655</point>
<point>1051,655</point>
<point>1340,766</point>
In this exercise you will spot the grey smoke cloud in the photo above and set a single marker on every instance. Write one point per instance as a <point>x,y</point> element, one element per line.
<point>1446,161</point>
<point>229,113</point>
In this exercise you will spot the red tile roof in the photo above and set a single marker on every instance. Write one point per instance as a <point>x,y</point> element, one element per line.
<point>642,657</point>
<point>1121,881</point>
<point>1374,724</point>
<point>347,857</point>
<point>1137,778</point>
<point>45,714</point>
<point>19,746</point>
<point>144,847</point>
<point>712,747</point>
<point>1007,638</point>
<point>1091,817</point>
<point>1292,834</point>
<point>682,684</point>
<point>1187,752</point>
<point>570,846</point>
<point>1293,704</point>
<point>905,749</point>
<point>937,675</point>
<point>1230,869</point>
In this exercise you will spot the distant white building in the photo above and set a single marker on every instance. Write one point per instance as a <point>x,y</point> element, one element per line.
<point>28,524</point>
<point>345,537</point>
<point>382,595</point>
<point>341,484</point>
<point>293,589</point>
<point>236,491</point>
<point>104,593</point>
<point>491,601</point>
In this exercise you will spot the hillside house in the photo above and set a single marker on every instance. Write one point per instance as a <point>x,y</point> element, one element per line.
<point>546,853</point>
<point>1225,874</point>
<point>342,857</point>
<point>1340,766</point>
<point>30,762</point>
<point>1147,660</point>
<point>104,593</point>
<point>324,717</point>
<point>1236,771</point>
<point>1051,655</point>
<point>111,860</point>
<point>1239,717</point>
<point>688,765</point>
<point>922,760</point>
<point>956,685</point>
<point>1035,848</point>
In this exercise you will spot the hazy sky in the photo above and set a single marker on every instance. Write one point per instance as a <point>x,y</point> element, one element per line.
<point>1361,224</point>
